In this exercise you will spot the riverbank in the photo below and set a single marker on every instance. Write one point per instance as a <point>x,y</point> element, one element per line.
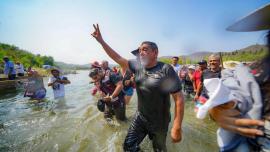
<point>47,72</point>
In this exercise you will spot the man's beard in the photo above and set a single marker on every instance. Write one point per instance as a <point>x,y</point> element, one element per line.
<point>144,61</point>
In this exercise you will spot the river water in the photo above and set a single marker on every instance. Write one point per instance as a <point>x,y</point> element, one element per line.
<point>76,125</point>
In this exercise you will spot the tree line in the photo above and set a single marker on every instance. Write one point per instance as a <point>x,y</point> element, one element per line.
<point>29,59</point>
<point>237,55</point>
<point>16,54</point>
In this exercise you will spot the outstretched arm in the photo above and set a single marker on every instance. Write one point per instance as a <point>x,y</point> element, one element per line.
<point>113,54</point>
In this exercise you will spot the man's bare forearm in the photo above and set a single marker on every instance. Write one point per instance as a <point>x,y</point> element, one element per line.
<point>114,55</point>
<point>199,89</point>
<point>117,90</point>
<point>179,110</point>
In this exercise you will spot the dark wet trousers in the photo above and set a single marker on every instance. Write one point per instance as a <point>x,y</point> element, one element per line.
<point>138,130</point>
<point>119,111</point>
<point>20,74</point>
<point>12,76</point>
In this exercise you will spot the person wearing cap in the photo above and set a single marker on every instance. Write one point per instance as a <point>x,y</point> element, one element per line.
<point>95,89</point>
<point>95,64</point>
<point>9,69</point>
<point>197,76</point>
<point>155,82</point>
<point>58,82</point>
<point>257,132</point>
<point>111,87</point>
<point>135,53</point>
<point>19,69</point>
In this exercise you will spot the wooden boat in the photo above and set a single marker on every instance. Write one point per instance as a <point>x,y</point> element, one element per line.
<point>6,84</point>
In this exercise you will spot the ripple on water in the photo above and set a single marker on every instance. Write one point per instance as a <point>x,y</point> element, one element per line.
<point>77,125</point>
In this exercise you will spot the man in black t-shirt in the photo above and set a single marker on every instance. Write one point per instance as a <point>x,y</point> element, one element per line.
<point>155,81</point>
<point>214,71</point>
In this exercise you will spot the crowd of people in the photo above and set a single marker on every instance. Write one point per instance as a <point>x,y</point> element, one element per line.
<point>244,116</point>
<point>11,70</point>
<point>34,86</point>
<point>238,100</point>
<point>115,88</point>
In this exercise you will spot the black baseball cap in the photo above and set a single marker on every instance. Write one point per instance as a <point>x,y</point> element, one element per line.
<point>202,62</point>
<point>135,52</point>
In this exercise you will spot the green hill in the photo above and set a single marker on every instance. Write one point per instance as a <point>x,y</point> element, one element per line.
<point>251,53</point>
<point>26,58</point>
<point>248,54</point>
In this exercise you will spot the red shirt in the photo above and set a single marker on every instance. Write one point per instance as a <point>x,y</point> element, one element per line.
<point>197,78</point>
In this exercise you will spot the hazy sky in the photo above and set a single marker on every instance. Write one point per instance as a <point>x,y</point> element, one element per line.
<point>62,28</point>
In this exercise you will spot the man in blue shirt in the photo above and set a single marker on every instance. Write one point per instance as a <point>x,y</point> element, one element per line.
<point>9,69</point>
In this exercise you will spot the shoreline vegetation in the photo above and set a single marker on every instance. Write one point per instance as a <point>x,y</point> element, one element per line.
<point>45,72</point>
<point>36,61</point>
<point>249,54</point>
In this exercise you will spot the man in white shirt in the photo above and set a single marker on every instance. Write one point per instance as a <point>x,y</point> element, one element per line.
<point>177,67</point>
<point>57,82</point>
<point>19,69</point>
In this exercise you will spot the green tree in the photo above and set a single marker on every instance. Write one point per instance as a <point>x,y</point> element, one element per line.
<point>26,58</point>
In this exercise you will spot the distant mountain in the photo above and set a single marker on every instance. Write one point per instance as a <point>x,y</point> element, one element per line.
<point>254,48</point>
<point>202,55</point>
<point>67,66</point>
<point>250,53</point>
<point>89,65</point>
<point>198,55</point>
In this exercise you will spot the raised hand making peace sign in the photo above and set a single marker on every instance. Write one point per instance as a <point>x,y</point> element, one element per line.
<point>96,34</point>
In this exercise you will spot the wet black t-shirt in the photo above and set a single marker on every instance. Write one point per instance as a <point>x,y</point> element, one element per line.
<point>208,74</point>
<point>154,86</point>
